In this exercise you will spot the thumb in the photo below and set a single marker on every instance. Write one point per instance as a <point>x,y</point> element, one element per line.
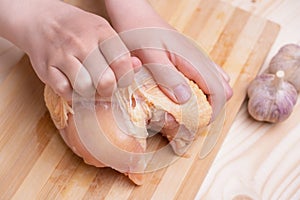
<point>170,81</point>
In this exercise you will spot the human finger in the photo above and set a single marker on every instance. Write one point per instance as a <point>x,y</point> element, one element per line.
<point>213,85</point>
<point>136,63</point>
<point>119,60</point>
<point>225,81</point>
<point>223,73</point>
<point>169,80</point>
<point>78,76</point>
<point>102,75</point>
<point>228,89</point>
<point>59,83</point>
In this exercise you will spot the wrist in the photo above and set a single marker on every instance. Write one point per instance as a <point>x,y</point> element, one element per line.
<point>141,15</point>
<point>16,18</point>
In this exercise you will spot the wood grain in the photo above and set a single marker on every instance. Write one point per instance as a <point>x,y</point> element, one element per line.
<point>37,164</point>
<point>257,160</point>
<point>261,163</point>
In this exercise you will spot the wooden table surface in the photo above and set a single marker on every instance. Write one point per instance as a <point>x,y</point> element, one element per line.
<point>259,160</point>
<point>256,161</point>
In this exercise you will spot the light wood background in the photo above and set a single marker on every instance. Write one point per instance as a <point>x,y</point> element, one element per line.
<point>257,160</point>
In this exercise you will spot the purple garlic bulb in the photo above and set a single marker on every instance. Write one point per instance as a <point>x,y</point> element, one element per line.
<point>288,60</point>
<point>271,99</point>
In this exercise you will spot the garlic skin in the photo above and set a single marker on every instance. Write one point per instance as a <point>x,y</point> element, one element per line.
<point>271,99</point>
<point>288,60</point>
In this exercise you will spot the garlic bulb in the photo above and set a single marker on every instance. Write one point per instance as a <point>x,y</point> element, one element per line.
<point>288,60</point>
<point>271,98</point>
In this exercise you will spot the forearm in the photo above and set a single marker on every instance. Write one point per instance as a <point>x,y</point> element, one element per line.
<point>133,14</point>
<point>16,17</point>
<point>9,18</point>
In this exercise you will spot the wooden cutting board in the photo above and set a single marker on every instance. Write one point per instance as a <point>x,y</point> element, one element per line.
<point>36,164</point>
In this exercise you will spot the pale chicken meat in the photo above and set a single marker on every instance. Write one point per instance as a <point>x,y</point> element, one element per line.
<point>114,133</point>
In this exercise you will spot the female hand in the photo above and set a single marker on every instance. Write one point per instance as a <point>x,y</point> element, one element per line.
<point>152,40</point>
<point>62,42</point>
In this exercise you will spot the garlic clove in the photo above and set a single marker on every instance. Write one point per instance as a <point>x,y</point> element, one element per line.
<point>271,99</point>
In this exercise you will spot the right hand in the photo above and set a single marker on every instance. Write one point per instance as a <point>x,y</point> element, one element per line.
<point>165,52</point>
<point>62,40</point>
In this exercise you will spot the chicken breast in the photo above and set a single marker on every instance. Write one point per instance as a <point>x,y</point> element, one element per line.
<point>114,133</point>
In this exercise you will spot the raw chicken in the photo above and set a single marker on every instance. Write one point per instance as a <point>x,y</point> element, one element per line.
<point>114,133</point>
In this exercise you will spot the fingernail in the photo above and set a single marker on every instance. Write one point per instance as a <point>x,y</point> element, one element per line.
<point>182,93</point>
